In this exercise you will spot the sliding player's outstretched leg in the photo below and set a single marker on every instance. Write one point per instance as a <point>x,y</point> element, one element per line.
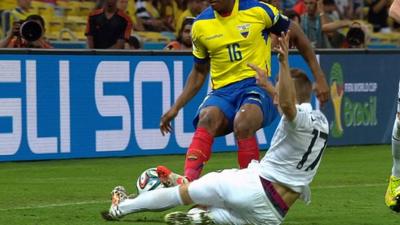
<point>118,194</point>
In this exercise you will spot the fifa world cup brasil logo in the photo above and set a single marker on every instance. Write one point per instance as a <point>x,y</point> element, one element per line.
<point>336,82</point>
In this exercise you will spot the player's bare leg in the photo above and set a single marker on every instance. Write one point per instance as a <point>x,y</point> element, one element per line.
<point>247,121</point>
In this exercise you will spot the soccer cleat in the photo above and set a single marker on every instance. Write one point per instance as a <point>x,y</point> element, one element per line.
<point>392,197</point>
<point>182,218</point>
<point>170,179</point>
<point>118,194</point>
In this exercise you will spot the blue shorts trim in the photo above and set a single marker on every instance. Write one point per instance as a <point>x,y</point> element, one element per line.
<point>230,98</point>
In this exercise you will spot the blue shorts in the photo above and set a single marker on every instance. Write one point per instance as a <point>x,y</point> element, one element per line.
<point>230,98</point>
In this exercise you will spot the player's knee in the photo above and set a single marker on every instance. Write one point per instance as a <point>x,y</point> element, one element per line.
<point>211,121</point>
<point>244,128</point>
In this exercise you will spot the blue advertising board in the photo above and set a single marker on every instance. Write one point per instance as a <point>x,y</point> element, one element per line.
<point>77,106</point>
<point>57,106</point>
<point>363,100</point>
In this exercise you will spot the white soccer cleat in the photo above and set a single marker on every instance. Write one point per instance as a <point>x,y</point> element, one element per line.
<point>118,194</point>
<point>195,216</point>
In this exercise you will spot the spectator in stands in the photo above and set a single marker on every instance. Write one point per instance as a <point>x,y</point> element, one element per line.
<point>287,4</point>
<point>168,10</point>
<point>136,22</point>
<point>99,4</point>
<point>184,39</point>
<point>182,5</point>
<point>312,23</point>
<point>378,14</point>
<point>300,7</point>
<point>345,8</point>
<point>355,37</point>
<point>17,14</point>
<point>331,10</point>
<point>32,36</point>
<point>334,23</point>
<point>149,14</point>
<point>195,7</point>
<point>108,27</point>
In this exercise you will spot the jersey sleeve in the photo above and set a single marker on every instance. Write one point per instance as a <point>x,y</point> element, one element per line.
<point>302,120</point>
<point>275,22</point>
<point>199,52</point>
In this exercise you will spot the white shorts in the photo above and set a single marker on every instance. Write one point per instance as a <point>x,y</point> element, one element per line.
<point>235,197</point>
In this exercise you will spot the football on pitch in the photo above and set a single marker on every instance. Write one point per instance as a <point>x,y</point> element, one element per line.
<point>148,181</point>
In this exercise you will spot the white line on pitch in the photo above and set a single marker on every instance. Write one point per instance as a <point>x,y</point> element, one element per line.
<point>54,205</point>
<point>348,186</point>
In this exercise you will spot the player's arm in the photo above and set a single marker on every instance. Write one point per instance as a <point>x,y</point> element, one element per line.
<point>195,81</point>
<point>262,79</point>
<point>193,84</point>
<point>394,10</point>
<point>280,24</point>
<point>302,43</point>
<point>286,89</point>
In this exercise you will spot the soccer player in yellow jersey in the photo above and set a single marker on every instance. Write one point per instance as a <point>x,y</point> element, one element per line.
<point>226,37</point>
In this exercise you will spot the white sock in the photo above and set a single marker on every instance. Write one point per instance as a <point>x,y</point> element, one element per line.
<point>396,148</point>
<point>157,200</point>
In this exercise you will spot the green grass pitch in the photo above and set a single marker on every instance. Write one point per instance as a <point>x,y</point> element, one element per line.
<point>348,189</point>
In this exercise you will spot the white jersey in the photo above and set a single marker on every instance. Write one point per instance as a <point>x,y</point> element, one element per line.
<point>296,150</point>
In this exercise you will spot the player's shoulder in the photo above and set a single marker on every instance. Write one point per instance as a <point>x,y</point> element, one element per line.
<point>249,4</point>
<point>207,14</point>
<point>96,12</point>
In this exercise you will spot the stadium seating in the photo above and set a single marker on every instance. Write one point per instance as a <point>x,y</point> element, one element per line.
<point>66,21</point>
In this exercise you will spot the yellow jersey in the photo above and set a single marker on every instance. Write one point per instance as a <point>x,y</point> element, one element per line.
<point>230,42</point>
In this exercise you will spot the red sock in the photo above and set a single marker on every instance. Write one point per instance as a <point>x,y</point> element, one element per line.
<point>248,150</point>
<point>198,153</point>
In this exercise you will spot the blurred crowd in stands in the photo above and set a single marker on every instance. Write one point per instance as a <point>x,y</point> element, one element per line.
<point>128,24</point>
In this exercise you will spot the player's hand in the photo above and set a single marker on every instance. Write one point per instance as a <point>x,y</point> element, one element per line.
<point>262,79</point>
<point>165,123</point>
<point>283,47</point>
<point>321,89</point>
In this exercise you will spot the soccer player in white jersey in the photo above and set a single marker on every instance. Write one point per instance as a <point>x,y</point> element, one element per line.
<point>392,197</point>
<point>263,192</point>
